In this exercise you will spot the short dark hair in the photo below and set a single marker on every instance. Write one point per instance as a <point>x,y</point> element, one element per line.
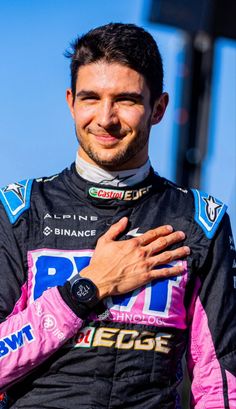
<point>126,44</point>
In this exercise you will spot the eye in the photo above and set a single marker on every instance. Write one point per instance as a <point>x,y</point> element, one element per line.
<point>89,98</point>
<point>126,100</point>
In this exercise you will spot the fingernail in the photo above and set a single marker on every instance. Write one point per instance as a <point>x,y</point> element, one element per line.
<point>170,228</point>
<point>182,235</point>
<point>187,249</point>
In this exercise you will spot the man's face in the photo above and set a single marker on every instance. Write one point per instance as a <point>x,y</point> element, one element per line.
<point>113,116</point>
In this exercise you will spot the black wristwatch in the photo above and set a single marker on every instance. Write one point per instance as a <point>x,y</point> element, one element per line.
<point>84,291</point>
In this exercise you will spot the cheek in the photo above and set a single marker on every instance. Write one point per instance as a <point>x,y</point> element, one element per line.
<point>134,119</point>
<point>84,116</point>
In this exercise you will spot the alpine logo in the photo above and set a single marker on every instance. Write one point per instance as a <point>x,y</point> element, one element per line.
<point>69,217</point>
<point>134,233</point>
<point>211,208</point>
<point>102,193</point>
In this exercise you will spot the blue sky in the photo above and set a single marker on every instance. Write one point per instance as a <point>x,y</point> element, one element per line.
<point>36,131</point>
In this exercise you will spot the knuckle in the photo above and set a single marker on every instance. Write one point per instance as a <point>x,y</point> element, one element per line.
<point>162,241</point>
<point>161,272</point>
<point>147,277</point>
<point>135,242</point>
<point>168,256</point>
<point>141,252</point>
<point>165,271</point>
<point>153,233</point>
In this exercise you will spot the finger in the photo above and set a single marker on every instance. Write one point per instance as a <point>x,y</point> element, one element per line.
<point>154,234</point>
<point>152,274</point>
<point>166,272</point>
<point>116,229</point>
<point>163,242</point>
<point>168,256</point>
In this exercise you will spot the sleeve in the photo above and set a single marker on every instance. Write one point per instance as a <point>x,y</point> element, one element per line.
<point>212,338</point>
<point>29,334</point>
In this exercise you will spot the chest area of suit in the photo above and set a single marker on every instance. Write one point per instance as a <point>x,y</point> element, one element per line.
<point>63,244</point>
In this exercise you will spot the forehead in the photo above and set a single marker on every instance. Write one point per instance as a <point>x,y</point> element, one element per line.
<point>110,77</point>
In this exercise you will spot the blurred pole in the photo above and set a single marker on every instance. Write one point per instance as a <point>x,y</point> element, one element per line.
<point>203,21</point>
<point>194,112</point>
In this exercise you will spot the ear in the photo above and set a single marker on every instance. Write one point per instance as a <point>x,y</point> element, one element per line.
<point>159,108</point>
<point>70,101</point>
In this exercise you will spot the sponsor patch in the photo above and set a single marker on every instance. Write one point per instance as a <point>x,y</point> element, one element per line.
<point>16,340</point>
<point>209,212</point>
<point>157,303</point>
<point>68,232</point>
<point>49,268</point>
<point>102,193</point>
<point>4,401</point>
<point>78,217</point>
<point>15,198</point>
<point>120,338</point>
<point>84,337</point>
<point>48,322</point>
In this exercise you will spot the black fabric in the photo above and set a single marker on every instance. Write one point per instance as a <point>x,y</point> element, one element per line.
<point>137,367</point>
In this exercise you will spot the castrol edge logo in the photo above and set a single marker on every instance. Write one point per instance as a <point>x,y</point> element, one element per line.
<point>101,193</point>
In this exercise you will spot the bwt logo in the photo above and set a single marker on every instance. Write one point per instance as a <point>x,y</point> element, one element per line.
<point>49,268</point>
<point>16,340</point>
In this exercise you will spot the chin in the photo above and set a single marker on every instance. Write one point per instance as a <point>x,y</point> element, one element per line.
<point>108,161</point>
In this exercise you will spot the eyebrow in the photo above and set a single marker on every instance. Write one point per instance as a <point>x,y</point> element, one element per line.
<point>84,93</point>
<point>134,95</point>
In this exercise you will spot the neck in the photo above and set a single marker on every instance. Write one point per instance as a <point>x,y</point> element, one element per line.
<point>117,178</point>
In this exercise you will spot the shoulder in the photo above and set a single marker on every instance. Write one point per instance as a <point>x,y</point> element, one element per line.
<point>16,198</point>
<point>206,210</point>
<point>209,212</point>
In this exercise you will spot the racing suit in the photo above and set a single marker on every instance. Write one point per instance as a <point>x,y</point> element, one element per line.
<point>129,357</point>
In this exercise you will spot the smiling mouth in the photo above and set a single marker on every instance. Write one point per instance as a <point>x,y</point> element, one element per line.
<point>107,138</point>
<point>111,133</point>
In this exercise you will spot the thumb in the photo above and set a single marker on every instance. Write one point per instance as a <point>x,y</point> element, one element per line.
<point>116,229</point>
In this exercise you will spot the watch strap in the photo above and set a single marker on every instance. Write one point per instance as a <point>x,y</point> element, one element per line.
<point>80,309</point>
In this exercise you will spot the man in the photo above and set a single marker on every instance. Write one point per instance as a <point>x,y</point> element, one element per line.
<point>100,294</point>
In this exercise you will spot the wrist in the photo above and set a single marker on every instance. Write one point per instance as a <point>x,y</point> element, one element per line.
<point>102,289</point>
<point>79,309</point>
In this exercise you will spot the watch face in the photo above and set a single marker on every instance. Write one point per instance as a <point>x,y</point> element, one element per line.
<point>83,290</point>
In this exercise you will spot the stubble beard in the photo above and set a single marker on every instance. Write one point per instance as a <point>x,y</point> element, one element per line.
<point>121,157</point>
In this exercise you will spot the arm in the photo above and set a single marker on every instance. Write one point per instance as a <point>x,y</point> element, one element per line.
<point>31,333</point>
<point>212,347</point>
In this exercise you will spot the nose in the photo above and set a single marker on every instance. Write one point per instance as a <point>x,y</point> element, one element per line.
<point>106,114</point>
